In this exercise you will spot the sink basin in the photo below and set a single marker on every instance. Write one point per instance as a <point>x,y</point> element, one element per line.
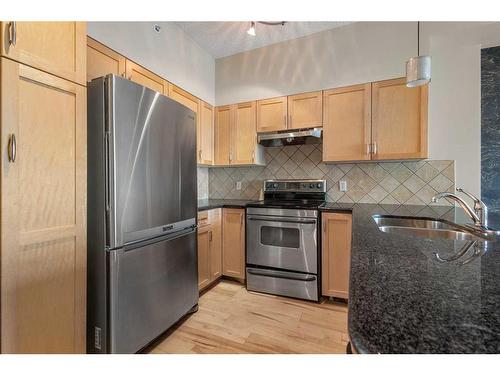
<point>423,227</point>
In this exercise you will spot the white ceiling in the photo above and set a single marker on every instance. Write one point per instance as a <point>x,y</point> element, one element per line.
<point>222,39</point>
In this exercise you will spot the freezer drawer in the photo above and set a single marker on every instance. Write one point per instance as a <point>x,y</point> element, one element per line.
<point>151,288</point>
<point>289,284</point>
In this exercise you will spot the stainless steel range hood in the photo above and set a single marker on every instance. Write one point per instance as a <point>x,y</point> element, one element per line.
<point>299,137</point>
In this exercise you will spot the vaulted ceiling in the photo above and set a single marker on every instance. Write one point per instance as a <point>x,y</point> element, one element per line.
<point>222,39</point>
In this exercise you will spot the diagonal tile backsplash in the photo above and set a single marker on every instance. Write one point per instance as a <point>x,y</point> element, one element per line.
<point>202,182</point>
<point>410,182</point>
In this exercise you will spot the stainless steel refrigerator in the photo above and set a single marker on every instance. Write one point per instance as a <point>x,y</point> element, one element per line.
<point>142,208</point>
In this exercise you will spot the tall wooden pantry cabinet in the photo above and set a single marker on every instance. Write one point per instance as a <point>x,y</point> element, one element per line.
<point>43,187</point>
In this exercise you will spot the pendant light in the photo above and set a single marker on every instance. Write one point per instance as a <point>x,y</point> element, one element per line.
<point>418,69</point>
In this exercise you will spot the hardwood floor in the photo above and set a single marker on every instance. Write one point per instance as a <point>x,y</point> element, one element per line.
<point>232,320</point>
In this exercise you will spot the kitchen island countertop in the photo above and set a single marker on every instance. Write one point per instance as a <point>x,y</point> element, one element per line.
<point>403,300</point>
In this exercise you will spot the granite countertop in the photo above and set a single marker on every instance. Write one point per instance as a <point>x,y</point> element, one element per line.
<point>403,300</point>
<point>208,204</point>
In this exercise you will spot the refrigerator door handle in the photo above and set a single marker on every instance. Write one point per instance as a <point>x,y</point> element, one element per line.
<point>106,172</point>
<point>168,237</point>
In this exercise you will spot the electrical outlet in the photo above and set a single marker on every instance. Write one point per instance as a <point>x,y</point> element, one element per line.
<point>343,185</point>
<point>238,185</point>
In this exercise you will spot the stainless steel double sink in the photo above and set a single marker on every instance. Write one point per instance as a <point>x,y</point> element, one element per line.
<point>424,227</point>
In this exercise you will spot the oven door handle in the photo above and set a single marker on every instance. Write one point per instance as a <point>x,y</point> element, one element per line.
<point>281,275</point>
<point>281,220</point>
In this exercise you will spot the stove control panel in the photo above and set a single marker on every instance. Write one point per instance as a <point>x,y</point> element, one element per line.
<point>296,186</point>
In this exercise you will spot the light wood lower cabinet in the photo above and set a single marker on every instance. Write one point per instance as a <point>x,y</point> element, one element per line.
<point>54,47</point>
<point>204,245</point>
<point>233,242</point>
<point>142,76</point>
<point>43,209</point>
<point>209,247</point>
<point>102,60</point>
<point>215,217</point>
<point>336,253</point>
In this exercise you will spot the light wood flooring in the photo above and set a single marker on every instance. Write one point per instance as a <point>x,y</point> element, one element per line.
<point>232,320</point>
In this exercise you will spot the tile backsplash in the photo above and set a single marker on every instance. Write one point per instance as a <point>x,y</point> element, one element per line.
<point>409,182</point>
<point>202,183</point>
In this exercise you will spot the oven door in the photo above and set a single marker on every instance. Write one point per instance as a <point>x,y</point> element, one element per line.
<point>288,243</point>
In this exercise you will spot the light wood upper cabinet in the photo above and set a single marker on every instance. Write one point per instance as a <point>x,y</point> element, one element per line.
<point>347,123</point>
<point>222,146</point>
<point>236,137</point>
<point>244,134</point>
<point>305,110</point>
<point>142,76</point>
<point>43,200</point>
<point>205,133</point>
<point>183,97</point>
<point>272,114</point>
<point>399,120</point>
<point>336,254</point>
<point>102,60</point>
<point>233,242</point>
<point>54,47</point>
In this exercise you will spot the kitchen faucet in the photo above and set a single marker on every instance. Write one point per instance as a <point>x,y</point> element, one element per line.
<point>479,214</point>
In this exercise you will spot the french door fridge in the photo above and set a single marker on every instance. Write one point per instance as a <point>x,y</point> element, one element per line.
<point>142,208</point>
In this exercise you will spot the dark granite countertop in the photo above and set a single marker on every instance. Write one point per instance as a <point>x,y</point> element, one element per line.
<point>208,204</point>
<point>403,300</point>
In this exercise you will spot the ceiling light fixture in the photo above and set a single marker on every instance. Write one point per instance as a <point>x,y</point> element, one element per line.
<point>251,30</point>
<point>418,69</point>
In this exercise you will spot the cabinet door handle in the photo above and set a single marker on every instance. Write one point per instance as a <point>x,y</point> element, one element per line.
<point>199,155</point>
<point>374,148</point>
<point>368,149</point>
<point>284,119</point>
<point>12,33</point>
<point>210,236</point>
<point>12,148</point>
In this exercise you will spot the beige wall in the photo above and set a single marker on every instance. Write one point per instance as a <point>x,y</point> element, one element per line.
<point>356,53</point>
<point>368,51</point>
<point>172,54</point>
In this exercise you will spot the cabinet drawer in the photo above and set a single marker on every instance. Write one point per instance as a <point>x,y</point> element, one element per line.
<point>203,218</point>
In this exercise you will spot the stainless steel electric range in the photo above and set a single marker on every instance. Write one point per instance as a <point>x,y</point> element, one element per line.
<point>282,239</point>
